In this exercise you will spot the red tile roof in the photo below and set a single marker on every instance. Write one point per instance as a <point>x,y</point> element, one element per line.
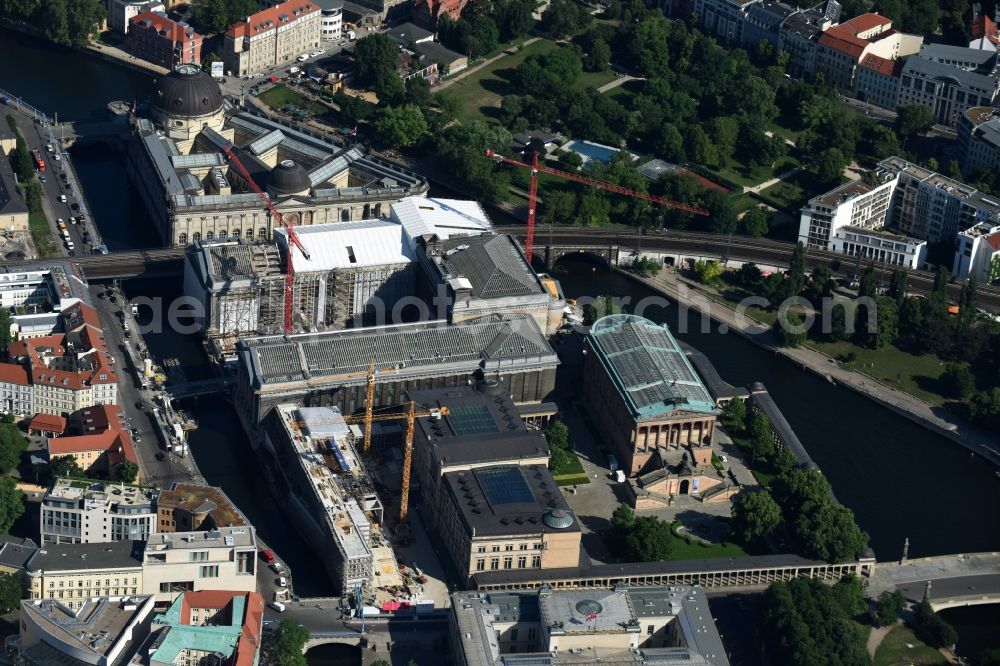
<point>865,22</point>
<point>166,27</point>
<point>983,26</point>
<point>270,18</point>
<point>79,314</point>
<point>994,241</point>
<point>882,65</point>
<point>839,38</point>
<point>48,422</point>
<point>12,373</point>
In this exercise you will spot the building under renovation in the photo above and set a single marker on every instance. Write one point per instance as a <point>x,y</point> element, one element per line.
<point>355,274</point>
<point>178,162</point>
<point>332,499</point>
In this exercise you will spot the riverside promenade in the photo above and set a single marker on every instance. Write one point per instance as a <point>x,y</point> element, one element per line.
<point>937,419</point>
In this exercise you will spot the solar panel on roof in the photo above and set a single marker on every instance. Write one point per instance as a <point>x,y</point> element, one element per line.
<point>504,485</point>
<point>474,419</point>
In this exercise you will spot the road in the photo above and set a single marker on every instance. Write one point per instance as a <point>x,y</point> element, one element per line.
<point>57,180</point>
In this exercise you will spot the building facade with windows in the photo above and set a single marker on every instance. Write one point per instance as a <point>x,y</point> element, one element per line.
<point>978,253</point>
<point>331,20</point>
<point>96,512</point>
<point>950,80</point>
<point>218,559</point>
<point>272,36</point>
<point>120,12</point>
<point>799,35</point>
<point>864,204</point>
<point>16,393</point>
<point>979,140</point>
<point>155,37</point>
<point>73,573</point>
<point>881,247</point>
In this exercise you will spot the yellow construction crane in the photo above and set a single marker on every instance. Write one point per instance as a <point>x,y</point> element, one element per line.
<point>410,416</point>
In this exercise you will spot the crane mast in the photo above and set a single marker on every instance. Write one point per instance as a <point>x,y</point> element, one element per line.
<point>536,168</point>
<point>289,225</point>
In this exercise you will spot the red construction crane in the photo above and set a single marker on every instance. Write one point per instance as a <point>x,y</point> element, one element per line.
<point>535,167</point>
<point>292,236</point>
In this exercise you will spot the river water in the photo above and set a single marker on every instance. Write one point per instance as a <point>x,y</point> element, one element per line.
<point>900,479</point>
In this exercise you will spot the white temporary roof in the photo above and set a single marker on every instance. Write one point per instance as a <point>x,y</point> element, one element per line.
<point>348,245</point>
<point>424,216</point>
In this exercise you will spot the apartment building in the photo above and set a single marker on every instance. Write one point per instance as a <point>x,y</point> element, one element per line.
<point>950,80</point>
<point>331,20</point>
<point>219,559</point>
<point>120,12</point>
<point>842,48</point>
<point>799,34</point>
<point>862,204</point>
<point>978,253</point>
<point>933,207</point>
<point>73,573</point>
<point>723,18</point>
<point>979,139</point>
<point>77,511</point>
<point>16,394</point>
<point>189,507</point>
<point>102,441</point>
<point>271,37</point>
<point>877,79</point>
<point>154,37</point>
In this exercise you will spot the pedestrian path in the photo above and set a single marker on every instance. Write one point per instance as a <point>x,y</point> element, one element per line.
<point>489,61</point>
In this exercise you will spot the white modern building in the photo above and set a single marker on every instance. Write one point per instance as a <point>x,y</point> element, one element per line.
<point>121,12</point>
<point>859,204</point>
<point>96,512</point>
<point>331,13</point>
<point>879,246</point>
<point>219,559</point>
<point>978,253</point>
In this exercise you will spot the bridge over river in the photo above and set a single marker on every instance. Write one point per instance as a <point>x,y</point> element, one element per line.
<point>610,245</point>
<point>948,581</point>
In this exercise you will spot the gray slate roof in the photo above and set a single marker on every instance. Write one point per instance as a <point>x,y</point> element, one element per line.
<point>493,264</point>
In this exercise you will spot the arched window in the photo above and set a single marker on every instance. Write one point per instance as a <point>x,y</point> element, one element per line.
<point>236,233</point>
<point>222,233</point>
<point>345,215</point>
<point>262,233</point>
<point>209,235</point>
<point>196,237</point>
<point>249,233</point>
<point>182,239</point>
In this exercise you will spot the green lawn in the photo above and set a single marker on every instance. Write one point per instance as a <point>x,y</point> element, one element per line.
<point>281,95</point>
<point>748,177</point>
<point>680,549</point>
<point>41,234</point>
<point>790,195</point>
<point>484,88</point>
<point>895,650</point>
<point>914,374</point>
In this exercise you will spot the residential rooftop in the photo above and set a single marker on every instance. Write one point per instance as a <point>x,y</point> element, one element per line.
<point>226,536</point>
<point>843,193</point>
<point>199,499</point>
<point>101,492</point>
<point>86,556</point>
<point>648,368</point>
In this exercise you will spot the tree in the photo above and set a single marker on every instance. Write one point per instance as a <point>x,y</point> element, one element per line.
<point>721,211</point>
<point>10,592</point>
<point>796,276</point>
<point>757,221</point>
<point>958,381</point>
<point>623,517</point>
<point>60,467</point>
<point>126,471</point>
<point>11,503</point>
<point>707,272</point>
<point>930,628</point>
<point>564,18</point>
<point>826,530</point>
<point>761,437</point>
<point>829,165</point>
<point>669,143</point>
<point>374,59</point>
<point>889,606</point>
<point>462,157</point>
<point>790,331</point>
<point>898,284</point>
<point>699,147</point>
<point>211,15</point>
<point>985,406</point>
<point>400,126</point>
<point>590,314</point>
<point>914,119</point>
<point>12,446</point>
<point>288,646</point>
<point>557,435</point>
<point>648,540</point>
<point>734,414</point>
<point>849,593</point>
<point>866,285</point>
<point>598,56</point>
<point>206,62</point>
<point>755,516</point>
<point>886,324</point>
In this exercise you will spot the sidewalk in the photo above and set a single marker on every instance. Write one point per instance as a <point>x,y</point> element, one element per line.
<point>934,418</point>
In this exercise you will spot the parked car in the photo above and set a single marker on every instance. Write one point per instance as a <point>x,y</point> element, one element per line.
<point>282,581</point>
<point>161,456</point>
<point>277,605</point>
<point>139,404</point>
<point>267,556</point>
<point>278,568</point>
<point>62,198</point>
